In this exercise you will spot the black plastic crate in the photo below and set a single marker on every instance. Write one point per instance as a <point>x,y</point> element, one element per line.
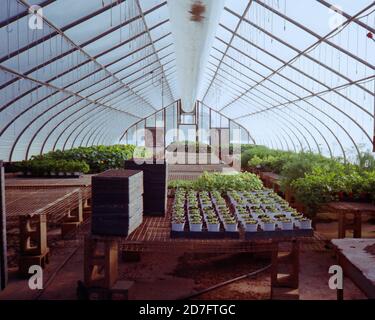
<point>155,185</point>
<point>115,225</point>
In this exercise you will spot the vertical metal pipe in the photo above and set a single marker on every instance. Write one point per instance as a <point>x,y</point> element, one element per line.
<point>3,235</point>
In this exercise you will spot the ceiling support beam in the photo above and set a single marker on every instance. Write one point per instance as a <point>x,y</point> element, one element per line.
<point>142,14</point>
<point>320,40</point>
<point>79,48</point>
<point>347,16</point>
<point>326,37</point>
<point>241,18</point>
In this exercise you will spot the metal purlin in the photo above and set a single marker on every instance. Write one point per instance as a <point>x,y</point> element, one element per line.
<point>345,15</point>
<point>72,105</point>
<point>67,117</point>
<point>72,94</point>
<point>65,91</point>
<point>251,100</point>
<point>318,147</point>
<point>153,46</point>
<point>62,34</point>
<point>280,86</point>
<point>293,67</point>
<point>364,131</point>
<point>86,43</point>
<point>287,120</point>
<point>248,77</point>
<point>54,33</point>
<point>22,14</point>
<point>78,96</point>
<point>278,135</point>
<point>226,50</point>
<point>104,131</point>
<point>56,92</point>
<point>324,38</point>
<point>312,59</point>
<point>159,109</point>
<point>315,94</point>
<point>282,129</point>
<point>67,98</point>
<point>329,103</point>
<point>320,40</point>
<point>97,126</point>
<point>287,90</point>
<point>86,76</point>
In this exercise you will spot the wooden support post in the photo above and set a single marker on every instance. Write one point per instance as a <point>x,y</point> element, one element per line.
<point>357,225</point>
<point>3,235</point>
<point>285,285</point>
<point>342,223</point>
<point>101,262</point>
<point>101,269</point>
<point>33,242</point>
<point>73,219</point>
<point>86,208</point>
<point>345,224</point>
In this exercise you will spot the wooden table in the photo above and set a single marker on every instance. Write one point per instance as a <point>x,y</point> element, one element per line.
<point>357,264</point>
<point>350,208</point>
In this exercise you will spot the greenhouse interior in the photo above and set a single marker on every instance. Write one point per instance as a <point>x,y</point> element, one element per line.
<point>187,150</point>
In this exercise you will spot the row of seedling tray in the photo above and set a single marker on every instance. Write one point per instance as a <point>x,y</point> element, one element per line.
<point>208,213</point>
<point>202,213</point>
<point>265,210</point>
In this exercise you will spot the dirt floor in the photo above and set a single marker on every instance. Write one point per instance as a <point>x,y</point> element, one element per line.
<point>178,276</point>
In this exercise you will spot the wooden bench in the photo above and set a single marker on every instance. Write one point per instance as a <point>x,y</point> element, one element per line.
<point>344,210</point>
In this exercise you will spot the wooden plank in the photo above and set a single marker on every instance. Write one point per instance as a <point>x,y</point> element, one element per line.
<point>3,239</point>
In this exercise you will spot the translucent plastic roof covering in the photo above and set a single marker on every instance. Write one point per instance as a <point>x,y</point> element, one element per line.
<point>296,74</point>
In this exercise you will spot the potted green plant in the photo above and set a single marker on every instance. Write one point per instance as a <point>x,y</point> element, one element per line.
<point>286,224</point>
<point>268,224</point>
<point>195,223</point>
<point>303,223</point>
<point>61,167</point>
<point>178,223</point>
<point>296,215</point>
<point>251,225</point>
<point>230,224</point>
<point>213,224</point>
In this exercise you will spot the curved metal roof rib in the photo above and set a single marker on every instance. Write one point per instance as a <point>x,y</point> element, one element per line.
<point>292,78</point>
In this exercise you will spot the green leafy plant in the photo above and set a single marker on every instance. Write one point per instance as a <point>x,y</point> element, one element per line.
<point>96,158</point>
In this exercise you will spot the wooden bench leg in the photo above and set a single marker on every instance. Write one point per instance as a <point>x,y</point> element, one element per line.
<point>285,286</point>
<point>357,225</point>
<point>342,224</point>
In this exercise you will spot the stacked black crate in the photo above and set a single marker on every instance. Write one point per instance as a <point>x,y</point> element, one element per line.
<point>117,202</point>
<point>155,184</point>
